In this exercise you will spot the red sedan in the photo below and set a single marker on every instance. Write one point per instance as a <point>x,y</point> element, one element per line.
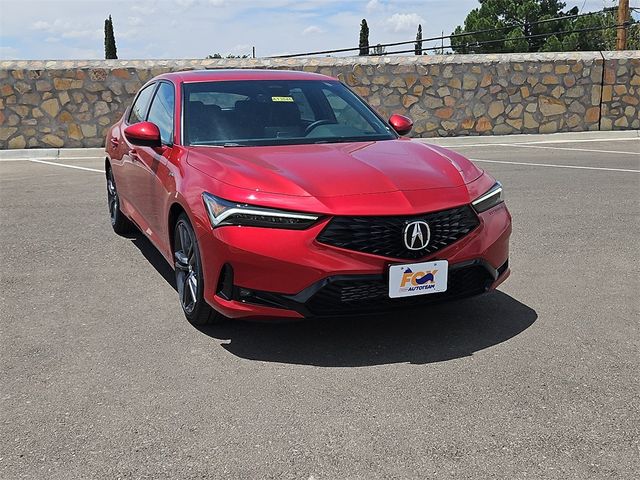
<point>283,194</point>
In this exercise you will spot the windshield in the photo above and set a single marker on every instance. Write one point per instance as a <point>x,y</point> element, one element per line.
<point>277,112</point>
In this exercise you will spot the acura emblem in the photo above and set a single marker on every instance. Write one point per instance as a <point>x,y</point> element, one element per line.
<point>417,235</point>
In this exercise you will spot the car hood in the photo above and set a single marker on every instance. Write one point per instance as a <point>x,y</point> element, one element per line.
<point>340,169</point>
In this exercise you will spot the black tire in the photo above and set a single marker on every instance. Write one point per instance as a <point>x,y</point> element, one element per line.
<point>120,224</point>
<point>189,279</point>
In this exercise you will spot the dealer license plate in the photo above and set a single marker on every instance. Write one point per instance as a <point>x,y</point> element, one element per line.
<point>418,278</point>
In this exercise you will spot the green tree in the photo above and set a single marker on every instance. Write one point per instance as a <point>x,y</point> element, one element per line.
<point>514,19</point>
<point>517,30</point>
<point>600,39</point>
<point>217,55</point>
<point>515,41</point>
<point>418,48</point>
<point>378,50</point>
<point>364,38</point>
<point>110,51</point>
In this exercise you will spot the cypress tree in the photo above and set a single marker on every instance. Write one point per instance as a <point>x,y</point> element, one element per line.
<point>418,49</point>
<point>110,52</point>
<point>364,38</point>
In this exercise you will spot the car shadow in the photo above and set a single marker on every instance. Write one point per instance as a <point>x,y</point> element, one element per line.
<point>155,258</point>
<point>432,334</point>
<point>435,333</point>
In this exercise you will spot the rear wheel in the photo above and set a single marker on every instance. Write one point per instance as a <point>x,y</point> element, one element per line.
<point>189,279</point>
<point>121,224</point>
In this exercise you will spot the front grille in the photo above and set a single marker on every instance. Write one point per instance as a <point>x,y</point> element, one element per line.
<point>384,236</point>
<point>371,294</point>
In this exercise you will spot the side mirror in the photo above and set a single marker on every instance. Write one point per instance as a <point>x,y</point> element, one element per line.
<point>401,124</point>
<point>144,134</point>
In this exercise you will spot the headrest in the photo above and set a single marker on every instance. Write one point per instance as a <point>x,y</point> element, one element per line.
<point>249,107</point>
<point>284,113</point>
<point>200,109</point>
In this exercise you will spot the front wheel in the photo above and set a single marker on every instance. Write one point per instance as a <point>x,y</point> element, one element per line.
<point>189,278</point>
<point>121,224</point>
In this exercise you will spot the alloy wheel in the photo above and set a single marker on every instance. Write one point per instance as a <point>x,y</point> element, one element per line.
<point>187,267</point>
<point>112,195</point>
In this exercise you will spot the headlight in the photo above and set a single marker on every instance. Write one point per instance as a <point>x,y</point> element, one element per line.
<point>223,212</point>
<point>490,199</point>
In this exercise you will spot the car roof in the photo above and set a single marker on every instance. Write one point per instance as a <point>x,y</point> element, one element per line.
<point>220,75</point>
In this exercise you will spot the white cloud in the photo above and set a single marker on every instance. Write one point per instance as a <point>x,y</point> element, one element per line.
<point>134,21</point>
<point>97,34</point>
<point>201,29</point>
<point>373,5</point>
<point>65,29</point>
<point>57,26</point>
<point>41,25</point>
<point>241,49</point>
<point>185,3</point>
<point>344,20</point>
<point>146,9</point>
<point>8,53</point>
<point>312,30</point>
<point>404,22</point>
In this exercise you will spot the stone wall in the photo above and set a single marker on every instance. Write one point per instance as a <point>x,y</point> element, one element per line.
<point>621,92</point>
<point>72,103</point>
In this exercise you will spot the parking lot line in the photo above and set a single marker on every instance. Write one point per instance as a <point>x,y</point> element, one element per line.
<point>578,167</point>
<point>67,166</point>
<point>584,140</point>
<point>536,142</point>
<point>529,164</point>
<point>573,149</point>
<point>46,158</point>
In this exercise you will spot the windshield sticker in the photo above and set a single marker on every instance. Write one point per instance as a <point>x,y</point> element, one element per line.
<point>282,99</point>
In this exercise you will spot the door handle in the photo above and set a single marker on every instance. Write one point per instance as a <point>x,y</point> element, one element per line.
<point>114,142</point>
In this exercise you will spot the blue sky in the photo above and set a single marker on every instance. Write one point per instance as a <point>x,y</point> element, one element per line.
<point>73,29</point>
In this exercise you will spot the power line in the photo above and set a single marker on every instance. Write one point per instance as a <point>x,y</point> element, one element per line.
<point>442,37</point>
<point>525,37</point>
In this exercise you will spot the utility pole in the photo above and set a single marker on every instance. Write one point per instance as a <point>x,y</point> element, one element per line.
<point>623,18</point>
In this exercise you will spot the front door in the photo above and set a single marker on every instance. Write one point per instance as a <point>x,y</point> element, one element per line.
<point>153,162</point>
<point>131,181</point>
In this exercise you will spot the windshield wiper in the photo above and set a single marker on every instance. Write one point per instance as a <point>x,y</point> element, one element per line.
<point>343,140</point>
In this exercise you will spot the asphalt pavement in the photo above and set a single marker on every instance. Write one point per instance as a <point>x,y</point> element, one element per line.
<point>102,377</point>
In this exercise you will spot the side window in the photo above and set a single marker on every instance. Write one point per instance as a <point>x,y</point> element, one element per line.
<point>139,107</point>
<point>161,112</point>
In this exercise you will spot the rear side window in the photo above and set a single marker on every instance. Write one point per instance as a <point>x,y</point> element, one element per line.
<point>161,111</point>
<point>139,108</point>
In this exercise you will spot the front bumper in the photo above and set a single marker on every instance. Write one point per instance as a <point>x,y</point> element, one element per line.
<point>262,272</point>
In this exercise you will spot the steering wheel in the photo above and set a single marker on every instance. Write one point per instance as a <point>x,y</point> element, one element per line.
<point>316,124</point>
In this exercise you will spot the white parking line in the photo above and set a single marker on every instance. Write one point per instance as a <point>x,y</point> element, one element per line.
<point>586,140</point>
<point>530,164</point>
<point>617,152</point>
<point>578,167</point>
<point>538,142</point>
<point>67,166</point>
<point>46,158</point>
